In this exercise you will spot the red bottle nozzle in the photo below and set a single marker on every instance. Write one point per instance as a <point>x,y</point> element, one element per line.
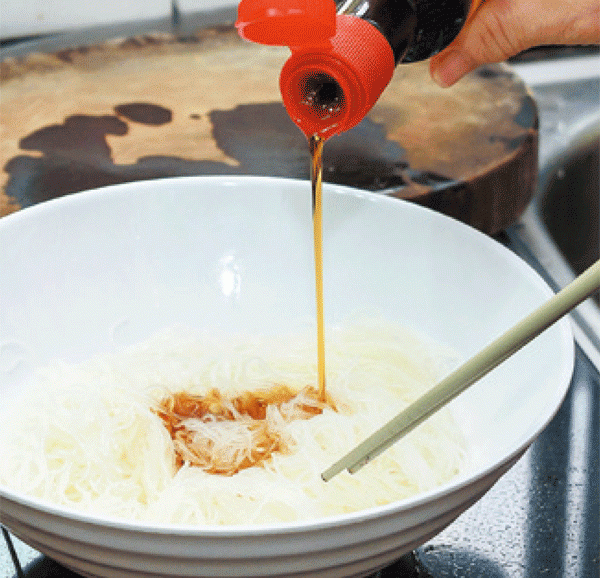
<point>286,22</point>
<point>329,89</point>
<point>339,66</point>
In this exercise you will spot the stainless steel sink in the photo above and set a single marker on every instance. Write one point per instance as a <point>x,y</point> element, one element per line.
<point>569,196</point>
<point>559,231</point>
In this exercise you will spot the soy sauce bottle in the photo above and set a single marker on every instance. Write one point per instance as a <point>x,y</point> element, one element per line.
<point>344,54</point>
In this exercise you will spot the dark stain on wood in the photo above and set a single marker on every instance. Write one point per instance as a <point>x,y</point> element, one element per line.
<point>145,113</point>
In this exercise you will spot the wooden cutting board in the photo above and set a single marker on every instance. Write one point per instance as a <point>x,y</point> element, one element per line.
<point>157,105</point>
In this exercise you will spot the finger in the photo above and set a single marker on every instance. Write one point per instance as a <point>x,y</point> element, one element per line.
<point>493,34</point>
<point>503,28</point>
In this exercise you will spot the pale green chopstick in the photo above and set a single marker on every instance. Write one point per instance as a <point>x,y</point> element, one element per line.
<point>469,372</point>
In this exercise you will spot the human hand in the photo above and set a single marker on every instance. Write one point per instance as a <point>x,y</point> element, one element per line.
<point>500,29</point>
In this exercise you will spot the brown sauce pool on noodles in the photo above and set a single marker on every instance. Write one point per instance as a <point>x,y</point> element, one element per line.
<point>182,412</point>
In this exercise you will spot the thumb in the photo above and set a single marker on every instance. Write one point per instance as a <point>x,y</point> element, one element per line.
<point>499,29</point>
<point>492,34</point>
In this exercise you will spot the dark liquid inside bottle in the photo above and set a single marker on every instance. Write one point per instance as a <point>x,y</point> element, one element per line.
<point>323,95</point>
<point>415,29</point>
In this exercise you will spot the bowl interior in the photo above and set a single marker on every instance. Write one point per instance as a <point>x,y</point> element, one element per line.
<point>97,271</point>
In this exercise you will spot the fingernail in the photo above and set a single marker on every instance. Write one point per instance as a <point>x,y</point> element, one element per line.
<point>450,68</point>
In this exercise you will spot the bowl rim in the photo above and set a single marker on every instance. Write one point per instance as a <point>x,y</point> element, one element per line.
<point>405,505</point>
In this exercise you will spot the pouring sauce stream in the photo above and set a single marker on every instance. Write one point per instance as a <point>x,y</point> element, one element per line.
<point>316,175</point>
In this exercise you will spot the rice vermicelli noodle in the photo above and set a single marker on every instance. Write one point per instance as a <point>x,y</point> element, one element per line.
<point>89,437</point>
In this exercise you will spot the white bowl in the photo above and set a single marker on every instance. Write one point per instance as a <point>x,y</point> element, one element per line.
<point>98,270</point>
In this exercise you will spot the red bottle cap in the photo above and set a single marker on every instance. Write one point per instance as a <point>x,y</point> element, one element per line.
<point>286,22</point>
<point>329,89</point>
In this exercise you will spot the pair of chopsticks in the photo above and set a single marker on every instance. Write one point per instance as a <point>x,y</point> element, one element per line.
<point>470,372</point>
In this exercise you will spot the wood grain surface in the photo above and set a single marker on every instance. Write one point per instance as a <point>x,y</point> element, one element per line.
<point>158,105</point>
